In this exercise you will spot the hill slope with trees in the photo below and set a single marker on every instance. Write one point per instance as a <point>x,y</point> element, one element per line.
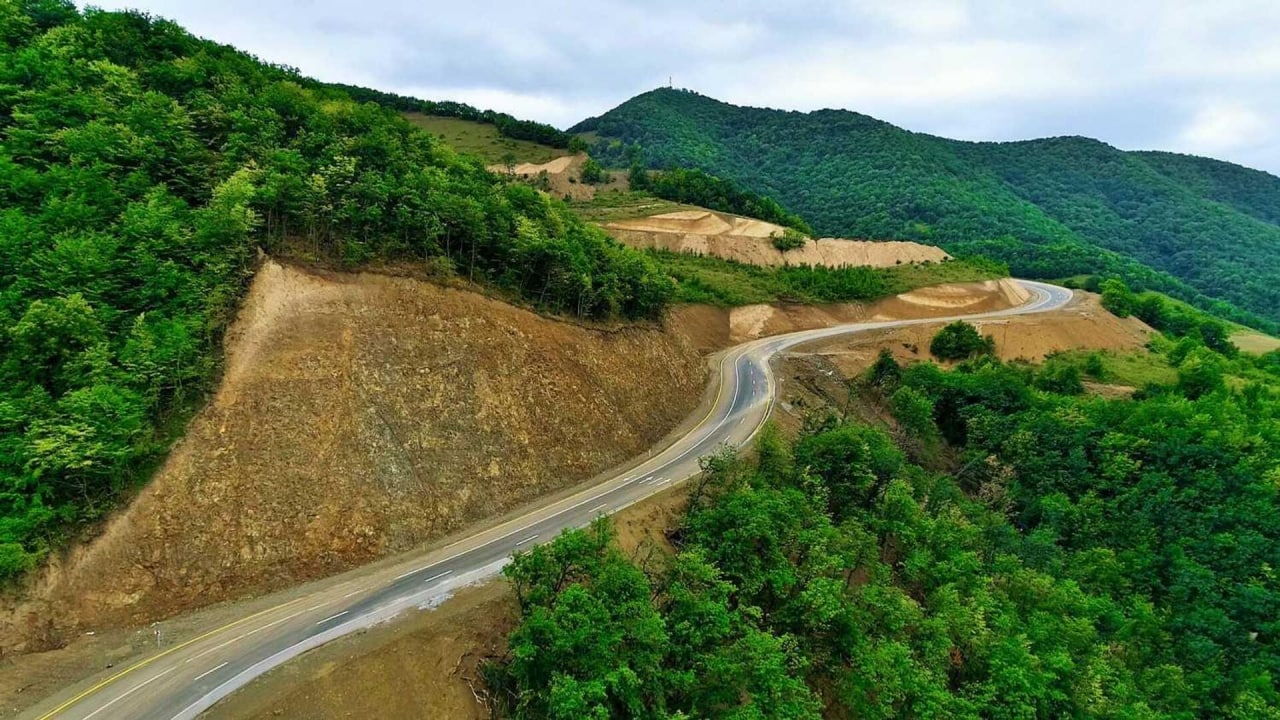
<point>1201,230</point>
<point>141,169</point>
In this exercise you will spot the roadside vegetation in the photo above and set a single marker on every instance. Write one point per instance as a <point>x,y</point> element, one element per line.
<point>704,279</point>
<point>1001,546</point>
<point>141,170</point>
<point>960,341</point>
<point>1201,230</point>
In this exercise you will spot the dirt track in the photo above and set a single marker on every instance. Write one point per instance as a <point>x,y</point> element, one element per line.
<point>745,240</point>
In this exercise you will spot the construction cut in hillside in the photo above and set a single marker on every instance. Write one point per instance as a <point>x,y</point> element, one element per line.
<point>361,415</point>
<point>745,240</point>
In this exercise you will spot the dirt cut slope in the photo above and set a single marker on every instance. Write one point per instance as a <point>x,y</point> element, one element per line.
<point>745,240</point>
<point>562,177</point>
<point>710,328</point>
<point>1083,324</point>
<point>359,416</point>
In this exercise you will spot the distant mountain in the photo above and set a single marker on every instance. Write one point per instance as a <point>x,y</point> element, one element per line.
<point>1200,229</point>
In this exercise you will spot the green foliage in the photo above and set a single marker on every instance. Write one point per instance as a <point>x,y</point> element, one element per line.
<point>1087,558</point>
<point>788,239</point>
<point>592,173</point>
<point>696,187</point>
<point>705,279</point>
<point>1175,318</point>
<point>1203,231</point>
<point>960,340</point>
<point>529,130</point>
<point>140,169</point>
<point>600,638</point>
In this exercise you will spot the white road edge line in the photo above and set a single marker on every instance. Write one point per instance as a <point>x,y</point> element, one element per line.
<point>332,617</point>
<point>245,635</point>
<point>208,672</point>
<point>129,692</point>
<point>694,444</point>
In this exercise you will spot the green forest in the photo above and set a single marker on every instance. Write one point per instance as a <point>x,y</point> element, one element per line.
<point>1200,230</point>
<point>142,169</point>
<point>1000,546</point>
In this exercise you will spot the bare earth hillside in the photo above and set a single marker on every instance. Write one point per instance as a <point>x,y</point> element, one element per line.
<point>426,664</point>
<point>563,177</point>
<point>745,240</point>
<point>359,416</point>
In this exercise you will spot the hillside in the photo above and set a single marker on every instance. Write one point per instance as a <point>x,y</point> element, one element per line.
<point>362,415</point>
<point>745,240</point>
<point>141,171</point>
<point>1197,229</point>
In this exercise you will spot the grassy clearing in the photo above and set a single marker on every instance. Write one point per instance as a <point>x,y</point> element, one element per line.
<point>1254,342</point>
<point>614,205</point>
<point>715,281</point>
<point>1134,369</point>
<point>483,140</point>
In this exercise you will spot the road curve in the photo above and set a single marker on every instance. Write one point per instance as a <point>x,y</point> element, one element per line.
<point>184,680</point>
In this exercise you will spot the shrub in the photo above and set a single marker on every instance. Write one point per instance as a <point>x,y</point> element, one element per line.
<point>960,340</point>
<point>788,239</point>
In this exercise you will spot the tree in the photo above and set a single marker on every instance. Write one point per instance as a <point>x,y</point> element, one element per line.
<point>960,340</point>
<point>592,173</point>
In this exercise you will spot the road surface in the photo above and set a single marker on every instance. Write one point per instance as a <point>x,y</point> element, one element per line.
<point>182,681</point>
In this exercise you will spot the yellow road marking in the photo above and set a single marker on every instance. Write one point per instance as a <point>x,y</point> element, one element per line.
<point>153,658</point>
<point>138,666</point>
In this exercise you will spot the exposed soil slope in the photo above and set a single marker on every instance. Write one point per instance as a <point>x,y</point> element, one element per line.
<point>359,416</point>
<point>745,240</point>
<point>426,664</point>
<point>563,177</point>
<point>711,328</point>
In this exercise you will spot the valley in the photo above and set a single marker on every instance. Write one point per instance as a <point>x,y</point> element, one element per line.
<point>325,401</point>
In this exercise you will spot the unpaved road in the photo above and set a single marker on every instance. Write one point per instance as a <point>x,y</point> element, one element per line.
<point>185,679</point>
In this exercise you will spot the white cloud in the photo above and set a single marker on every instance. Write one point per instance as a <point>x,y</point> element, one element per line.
<point>1130,72</point>
<point>1222,127</point>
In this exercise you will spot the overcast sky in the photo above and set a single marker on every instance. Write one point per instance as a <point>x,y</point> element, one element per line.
<point>1198,77</point>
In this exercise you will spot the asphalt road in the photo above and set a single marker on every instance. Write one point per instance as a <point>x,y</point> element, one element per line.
<point>183,680</point>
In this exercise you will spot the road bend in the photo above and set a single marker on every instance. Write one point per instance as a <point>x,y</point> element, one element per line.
<point>181,681</point>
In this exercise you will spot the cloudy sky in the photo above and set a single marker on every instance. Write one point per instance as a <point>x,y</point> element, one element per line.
<point>1198,77</point>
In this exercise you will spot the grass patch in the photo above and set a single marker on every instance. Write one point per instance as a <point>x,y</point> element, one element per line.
<point>483,140</point>
<point>715,281</point>
<point>614,205</point>
<point>1254,342</point>
<point>1134,369</point>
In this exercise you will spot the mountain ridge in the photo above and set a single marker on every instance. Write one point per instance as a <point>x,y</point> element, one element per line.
<point>1200,229</point>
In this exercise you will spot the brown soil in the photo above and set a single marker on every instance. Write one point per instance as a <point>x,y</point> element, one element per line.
<point>816,375</point>
<point>745,240</point>
<point>360,416</point>
<point>564,177</point>
<point>424,665</point>
<point>709,328</point>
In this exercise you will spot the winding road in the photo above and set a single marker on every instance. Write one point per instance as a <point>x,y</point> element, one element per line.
<point>185,679</point>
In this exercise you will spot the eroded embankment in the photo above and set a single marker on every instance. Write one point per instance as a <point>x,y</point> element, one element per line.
<point>746,240</point>
<point>360,416</point>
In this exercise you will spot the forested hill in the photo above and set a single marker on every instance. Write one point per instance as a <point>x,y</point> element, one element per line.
<point>141,168</point>
<point>1050,208</point>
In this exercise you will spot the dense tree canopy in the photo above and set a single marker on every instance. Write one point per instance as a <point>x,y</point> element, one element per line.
<point>507,125</point>
<point>1076,557</point>
<point>1197,229</point>
<point>140,170</point>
